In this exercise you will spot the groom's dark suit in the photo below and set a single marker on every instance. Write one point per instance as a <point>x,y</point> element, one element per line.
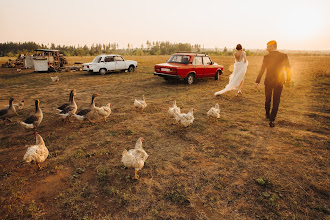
<point>275,63</point>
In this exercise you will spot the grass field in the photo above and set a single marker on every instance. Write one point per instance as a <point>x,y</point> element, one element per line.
<point>234,168</point>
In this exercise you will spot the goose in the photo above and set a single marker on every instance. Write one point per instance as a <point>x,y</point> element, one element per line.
<point>9,112</point>
<point>214,111</point>
<point>18,106</point>
<point>69,109</point>
<point>135,158</point>
<point>36,153</point>
<point>87,112</point>
<point>55,78</point>
<point>34,119</point>
<point>186,119</point>
<point>104,111</point>
<point>19,70</point>
<point>174,110</point>
<point>62,107</point>
<point>141,104</point>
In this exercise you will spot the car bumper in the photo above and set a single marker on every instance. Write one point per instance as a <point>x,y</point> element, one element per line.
<point>171,76</point>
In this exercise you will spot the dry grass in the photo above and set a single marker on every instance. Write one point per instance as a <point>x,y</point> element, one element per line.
<point>233,168</point>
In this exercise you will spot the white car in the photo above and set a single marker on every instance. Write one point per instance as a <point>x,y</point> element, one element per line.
<point>105,63</point>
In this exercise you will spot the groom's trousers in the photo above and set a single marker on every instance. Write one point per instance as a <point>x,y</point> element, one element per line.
<point>275,92</point>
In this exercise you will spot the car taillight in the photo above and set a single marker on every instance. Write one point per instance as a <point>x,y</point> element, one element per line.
<point>87,66</point>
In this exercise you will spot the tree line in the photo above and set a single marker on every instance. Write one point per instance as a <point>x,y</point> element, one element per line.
<point>12,49</point>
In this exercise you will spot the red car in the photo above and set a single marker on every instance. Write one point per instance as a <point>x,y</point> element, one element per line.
<point>188,66</point>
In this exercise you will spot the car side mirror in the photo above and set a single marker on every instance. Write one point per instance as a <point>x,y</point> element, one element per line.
<point>211,63</point>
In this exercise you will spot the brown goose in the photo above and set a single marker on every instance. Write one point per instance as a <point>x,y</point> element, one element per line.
<point>62,107</point>
<point>84,114</point>
<point>6,113</point>
<point>18,106</point>
<point>34,119</point>
<point>69,109</point>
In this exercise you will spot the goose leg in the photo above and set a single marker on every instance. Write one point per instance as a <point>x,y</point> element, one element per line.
<point>135,176</point>
<point>39,167</point>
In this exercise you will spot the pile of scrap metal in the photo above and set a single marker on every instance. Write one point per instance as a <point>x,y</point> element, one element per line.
<point>48,60</point>
<point>19,62</point>
<point>43,60</point>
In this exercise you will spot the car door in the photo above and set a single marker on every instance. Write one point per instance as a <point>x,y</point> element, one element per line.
<point>209,69</point>
<point>120,63</point>
<point>109,63</point>
<point>198,66</point>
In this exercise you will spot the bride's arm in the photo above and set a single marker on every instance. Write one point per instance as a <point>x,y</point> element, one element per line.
<point>244,56</point>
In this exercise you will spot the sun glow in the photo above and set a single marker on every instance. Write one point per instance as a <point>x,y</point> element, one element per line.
<point>302,23</point>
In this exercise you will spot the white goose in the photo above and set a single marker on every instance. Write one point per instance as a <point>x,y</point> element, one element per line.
<point>104,111</point>
<point>36,153</point>
<point>141,104</point>
<point>55,79</point>
<point>186,119</point>
<point>174,110</point>
<point>135,157</point>
<point>214,111</point>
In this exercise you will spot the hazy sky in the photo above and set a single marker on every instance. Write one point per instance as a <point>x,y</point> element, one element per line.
<point>295,24</point>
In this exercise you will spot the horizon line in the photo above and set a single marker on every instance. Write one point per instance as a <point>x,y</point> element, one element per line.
<point>205,48</point>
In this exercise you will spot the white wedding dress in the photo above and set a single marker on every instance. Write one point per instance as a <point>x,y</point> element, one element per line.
<point>237,76</point>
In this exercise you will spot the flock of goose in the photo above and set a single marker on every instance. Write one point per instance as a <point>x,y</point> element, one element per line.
<point>134,158</point>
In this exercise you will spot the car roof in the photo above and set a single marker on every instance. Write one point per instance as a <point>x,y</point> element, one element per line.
<point>114,55</point>
<point>46,50</point>
<point>190,54</point>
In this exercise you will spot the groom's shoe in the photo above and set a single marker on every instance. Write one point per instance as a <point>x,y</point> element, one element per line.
<point>267,115</point>
<point>271,124</point>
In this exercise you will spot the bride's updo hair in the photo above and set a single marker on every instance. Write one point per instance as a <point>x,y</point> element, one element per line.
<point>239,47</point>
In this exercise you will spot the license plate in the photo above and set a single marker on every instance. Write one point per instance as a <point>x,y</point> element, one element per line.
<point>165,69</point>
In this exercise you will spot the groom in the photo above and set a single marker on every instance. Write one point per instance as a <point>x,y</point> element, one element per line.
<point>276,63</point>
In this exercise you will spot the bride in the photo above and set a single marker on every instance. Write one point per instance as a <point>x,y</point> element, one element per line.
<point>236,79</point>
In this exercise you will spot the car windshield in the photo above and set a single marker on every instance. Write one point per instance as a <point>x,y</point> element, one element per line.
<point>97,59</point>
<point>179,59</point>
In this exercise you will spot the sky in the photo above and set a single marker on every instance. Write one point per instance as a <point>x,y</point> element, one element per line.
<point>294,24</point>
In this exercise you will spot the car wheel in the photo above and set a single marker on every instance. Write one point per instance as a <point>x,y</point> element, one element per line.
<point>217,75</point>
<point>190,78</point>
<point>102,71</point>
<point>131,68</point>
